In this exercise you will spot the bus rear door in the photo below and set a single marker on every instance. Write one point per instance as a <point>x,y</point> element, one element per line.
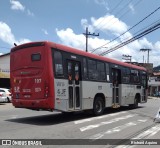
<point>144,81</point>
<point>116,80</point>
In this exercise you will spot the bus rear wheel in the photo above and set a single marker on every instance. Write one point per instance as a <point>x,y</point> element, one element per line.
<point>98,106</point>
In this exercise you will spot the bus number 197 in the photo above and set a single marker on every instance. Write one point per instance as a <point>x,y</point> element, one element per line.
<point>37,80</point>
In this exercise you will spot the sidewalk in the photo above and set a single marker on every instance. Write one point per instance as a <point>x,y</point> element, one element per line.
<point>151,97</point>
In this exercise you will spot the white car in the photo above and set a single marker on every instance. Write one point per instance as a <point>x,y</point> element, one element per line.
<point>5,95</point>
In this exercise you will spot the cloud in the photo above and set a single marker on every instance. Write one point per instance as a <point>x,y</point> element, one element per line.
<point>16,5</point>
<point>8,37</point>
<point>44,31</point>
<point>131,8</point>
<point>70,38</point>
<point>30,13</point>
<point>106,23</point>
<point>102,3</point>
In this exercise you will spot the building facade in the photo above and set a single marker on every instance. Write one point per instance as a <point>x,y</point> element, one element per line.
<point>5,70</point>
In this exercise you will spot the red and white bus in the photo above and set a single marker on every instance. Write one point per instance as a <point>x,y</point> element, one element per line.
<point>50,76</point>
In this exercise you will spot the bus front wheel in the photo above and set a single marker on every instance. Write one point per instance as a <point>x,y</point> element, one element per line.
<point>98,106</point>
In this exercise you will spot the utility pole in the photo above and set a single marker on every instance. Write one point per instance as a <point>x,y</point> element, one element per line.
<point>127,57</point>
<point>86,35</point>
<point>148,53</point>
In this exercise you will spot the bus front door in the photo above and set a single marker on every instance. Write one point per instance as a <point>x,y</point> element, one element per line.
<point>116,80</point>
<point>74,76</point>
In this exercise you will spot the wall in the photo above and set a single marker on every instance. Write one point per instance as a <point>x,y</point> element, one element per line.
<point>5,66</point>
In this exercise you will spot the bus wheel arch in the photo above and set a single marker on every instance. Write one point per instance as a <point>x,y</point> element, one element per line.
<point>98,104</point>
<point>136,101</point>
<point>138,97</point>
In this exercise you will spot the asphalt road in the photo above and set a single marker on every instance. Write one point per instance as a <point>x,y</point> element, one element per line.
<point>116,124</point>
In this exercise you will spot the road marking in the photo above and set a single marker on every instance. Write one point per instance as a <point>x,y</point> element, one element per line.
<point>106,122</point>
<point>100,117</point>
<point>9,116</point>
<point>148,133</point>
<point>14,116</point>
<point>116,129</point>
<point>144,135</point>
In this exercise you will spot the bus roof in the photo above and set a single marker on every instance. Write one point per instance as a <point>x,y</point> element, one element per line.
<point>76,51</point>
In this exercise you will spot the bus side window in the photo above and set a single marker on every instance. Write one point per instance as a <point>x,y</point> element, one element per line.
<point>58,62</point>
<point>85,68</point>
<point>92,70</point>
<point>126,75</point>
<point>107,72</point>
<point>101,71</point>
<point>135,76</point>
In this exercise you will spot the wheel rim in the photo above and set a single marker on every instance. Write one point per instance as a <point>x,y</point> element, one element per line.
<point>98,106</point>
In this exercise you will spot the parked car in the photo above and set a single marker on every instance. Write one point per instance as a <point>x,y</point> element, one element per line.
<point>5,95</point>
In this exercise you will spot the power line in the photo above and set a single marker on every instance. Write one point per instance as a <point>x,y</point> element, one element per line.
<point>141,30</point>
<point>121,16</point>
<point>96,27</point>
<point>133,39</point>
<point>110,20</point>
<point>116,13</point>
<point>147,31</point>
<point>128,29</point>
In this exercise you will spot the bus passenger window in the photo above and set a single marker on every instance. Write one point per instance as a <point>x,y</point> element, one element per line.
<point>85,68</point>
<point>135,76</point>
<point>107,72</point>
<point>101,71</point>
<point>58,63</point>
<point>126,75</point>
<point>92,70</point>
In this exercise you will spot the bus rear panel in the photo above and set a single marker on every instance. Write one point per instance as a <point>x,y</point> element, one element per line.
<point>30,77</point>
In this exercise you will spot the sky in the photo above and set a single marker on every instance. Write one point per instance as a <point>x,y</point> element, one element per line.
<point>65,21</point>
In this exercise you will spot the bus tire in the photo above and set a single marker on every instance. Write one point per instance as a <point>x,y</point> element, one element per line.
<point>135,105</point>
<point>98,106</point>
